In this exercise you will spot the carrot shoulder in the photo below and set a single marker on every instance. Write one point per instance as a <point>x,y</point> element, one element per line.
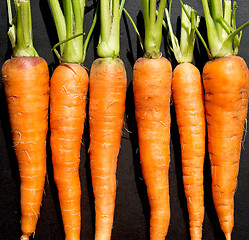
<point>26,83</point>
<point>107,89</point>
<point>152,90</point>
<point>226,98</point>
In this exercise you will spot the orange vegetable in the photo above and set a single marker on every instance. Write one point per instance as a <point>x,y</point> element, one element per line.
<point>226,82</point>
<point>187,91</point>
<point>152,91</point>
<point>69,86</point>
<point>26,84</point>
<point>107,90</point>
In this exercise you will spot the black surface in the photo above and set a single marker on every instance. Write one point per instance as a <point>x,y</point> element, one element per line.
<point>132,209</point>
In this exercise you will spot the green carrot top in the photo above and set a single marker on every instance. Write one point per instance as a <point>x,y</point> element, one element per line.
<point>189,23</point>
<point>153,27</point>
<point>110,14</point>
<point>69,20</point>
<point>223,36</point>
<point>20,32</point>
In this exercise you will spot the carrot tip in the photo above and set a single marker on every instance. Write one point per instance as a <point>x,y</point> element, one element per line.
<point>24,237</point>
<point>228,236</point>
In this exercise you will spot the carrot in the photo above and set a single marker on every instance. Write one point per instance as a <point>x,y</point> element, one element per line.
<point>69,87</point>
<point>106,114</point>
<point>107,91</point>
<point>187,92</point>
<point>151,87</point>
<point>226,80</point>
<point>152,76</point>
<point>26,82</point>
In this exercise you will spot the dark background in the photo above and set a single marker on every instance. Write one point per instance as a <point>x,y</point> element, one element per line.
<point>132,209</point>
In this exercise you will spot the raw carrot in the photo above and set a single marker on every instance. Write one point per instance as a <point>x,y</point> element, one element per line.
<point>226,98</point>
<point>69,87</point>
<point>26,82</point>
<point>106,115</point>
<point>152,90</point>
<point>107,90</point>
<point>152,76</point>
<point>188,97</point>
<point>226,80</point>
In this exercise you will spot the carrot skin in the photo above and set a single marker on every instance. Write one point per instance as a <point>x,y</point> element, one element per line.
<point>26,84</point>
<point>188,96</point>
<point>69,86</point>
<point>152,89</point>
<point>226,99</point>
<point>106,115</point>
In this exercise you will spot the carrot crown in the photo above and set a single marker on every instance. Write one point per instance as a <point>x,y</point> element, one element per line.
<point>153,27</point>
<point>69,26</point>
<point>223,36</point>
<point>20,32</point>
<point>110,14</point>
<point>189,22</point>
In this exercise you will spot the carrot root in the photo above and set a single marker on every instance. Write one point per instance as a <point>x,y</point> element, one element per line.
<point>188,96</point>
<point>152,90</point>
<point>226,82</point>
<point>26,84</point>
<point>106,115</point>
<point>69,86</point>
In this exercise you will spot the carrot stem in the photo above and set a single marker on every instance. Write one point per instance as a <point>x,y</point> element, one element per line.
<point>108,46</point>
<point>69,26</point>
<point>153,27</point>
<point>184,51</point>
<point>20,31</point>
<point>221,28</point>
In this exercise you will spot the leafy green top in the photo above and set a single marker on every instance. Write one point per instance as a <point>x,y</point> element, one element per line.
<point>189,23</point>
<point>223,36</point>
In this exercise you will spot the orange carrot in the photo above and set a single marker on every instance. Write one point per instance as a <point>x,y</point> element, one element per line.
<point>107,91</point>
<point>226,98</point>
<point>152,90</point>
<point>188,97</point>
<point>69,85</point>
<point>106,115</point>
<point>187,91</point>
<point>226,81</point>
<point>26,83</point>
<point>152,77</point>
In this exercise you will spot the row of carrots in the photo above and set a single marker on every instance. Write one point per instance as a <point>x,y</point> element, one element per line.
<point>215,103</point>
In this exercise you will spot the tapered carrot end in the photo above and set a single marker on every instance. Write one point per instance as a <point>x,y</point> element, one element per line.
<point>228,236</point>
<point>24,237</point>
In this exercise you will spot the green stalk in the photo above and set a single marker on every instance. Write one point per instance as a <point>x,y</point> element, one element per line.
<point>153,27</point>
<point>189,23</point>
<point>20,31</point>
<point>108,46</point>
<point>69,26</point>
<point>223,37</point>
